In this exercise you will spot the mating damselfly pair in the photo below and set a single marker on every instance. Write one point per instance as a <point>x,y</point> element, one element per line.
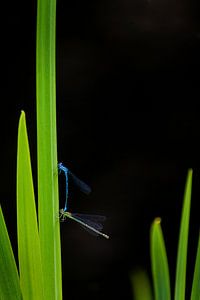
<point>92,223</point>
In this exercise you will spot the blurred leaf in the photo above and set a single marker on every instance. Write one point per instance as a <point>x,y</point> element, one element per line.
<point>159,263</point>
<point>9,278</point>
<point>183,242</point>
<point>28,238</point>
<point>141,285</point>
<point>196,279</point>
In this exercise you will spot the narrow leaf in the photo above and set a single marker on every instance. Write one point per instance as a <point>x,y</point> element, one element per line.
<point>183,242</point>
<point>28,238</point>
<point>48,204</point>
<point>159,263</point>
<point>196,279</point>
<point>9,279</point>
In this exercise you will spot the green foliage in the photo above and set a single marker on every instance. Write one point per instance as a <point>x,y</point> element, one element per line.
<point>183,242</point>
<point>30,266</point>
<point>141,285</point>
<point>9,278</point>
<point>159,263</point>
<point>49,227</point>
<point>160,272</point>
<point>195,295</point>
<point>39,252</point>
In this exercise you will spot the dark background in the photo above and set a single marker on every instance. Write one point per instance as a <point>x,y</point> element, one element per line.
<point>128,124</point>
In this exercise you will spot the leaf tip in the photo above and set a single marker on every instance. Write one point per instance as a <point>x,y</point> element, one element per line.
<point>190,171</point>
<point>157,220</point>
<point>22,115</point>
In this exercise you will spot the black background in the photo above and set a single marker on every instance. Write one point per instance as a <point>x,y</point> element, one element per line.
<point>128,124</point>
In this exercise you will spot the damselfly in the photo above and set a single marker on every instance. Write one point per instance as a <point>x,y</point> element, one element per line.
<point>79,183</point>
<point>92,223</point>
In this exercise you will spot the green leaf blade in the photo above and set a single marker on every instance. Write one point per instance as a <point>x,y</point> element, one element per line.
<point>195,295</point>
<point>180,282</point>
<point>9,279</point>
<point>160,270</point>
<point>48,204</point>
<point>30,266</point>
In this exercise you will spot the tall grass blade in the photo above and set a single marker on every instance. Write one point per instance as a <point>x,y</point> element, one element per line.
<point>180,281</point>
<point>160,270</point>
<point>9,278</point>
<point>195,295</point>
<point>30,266</point>
<point>49,227</point>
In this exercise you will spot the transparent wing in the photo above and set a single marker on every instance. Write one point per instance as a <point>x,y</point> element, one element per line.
<point>94,221</point>
<point>91,223</point>
<point>81,185</point>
